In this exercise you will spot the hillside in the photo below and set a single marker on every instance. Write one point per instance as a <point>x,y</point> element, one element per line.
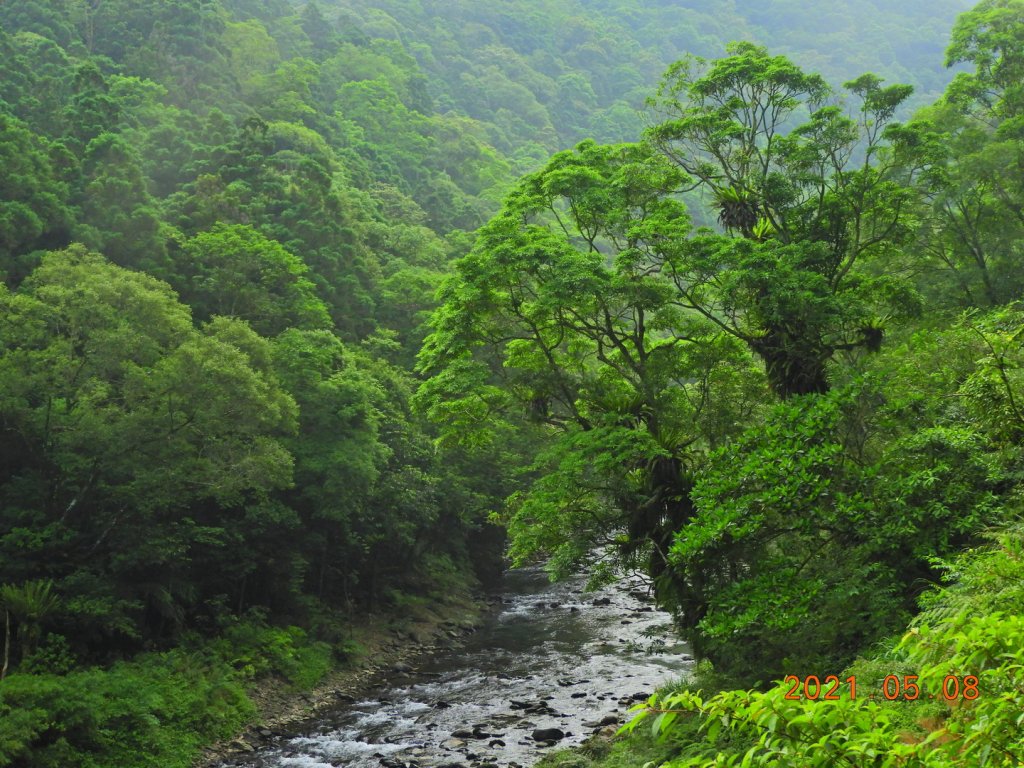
<point>305,307</point>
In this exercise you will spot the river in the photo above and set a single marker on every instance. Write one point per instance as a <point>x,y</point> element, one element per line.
<point>551,657</point>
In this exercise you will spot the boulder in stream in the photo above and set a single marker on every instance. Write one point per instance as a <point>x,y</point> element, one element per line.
<point>548,734</point>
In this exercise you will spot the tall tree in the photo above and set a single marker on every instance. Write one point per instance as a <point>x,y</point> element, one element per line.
<point>33,197</point>
<point>812,215</point>
<point>967,152</point>
<point>563,315</point>
<point>129,440</point>
<point>234,271</point>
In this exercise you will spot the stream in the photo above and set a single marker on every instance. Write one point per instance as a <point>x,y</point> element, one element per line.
<point>552,659</point>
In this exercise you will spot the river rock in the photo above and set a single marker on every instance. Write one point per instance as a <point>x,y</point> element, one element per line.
<point>609,720</point>
<point>548,734</point>
<point>453,743</point>
<point>401,668</point>
<point>602,601</point>
<point>495,743</point>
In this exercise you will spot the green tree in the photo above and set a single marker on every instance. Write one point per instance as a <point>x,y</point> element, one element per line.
<point>90,111</point>
<point>130,439</point>
<point>807,264</point>
<point>33,197</point>
<point>235,271</point>
<point>563,315</point>
<point>965,152</point>
<point>319,31</point>
<point>118,215</point>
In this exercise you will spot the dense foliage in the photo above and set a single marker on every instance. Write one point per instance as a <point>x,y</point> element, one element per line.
<point>790,420</point>
<point>216,254</point>
<point>280,332</point>
<point>948,693</point>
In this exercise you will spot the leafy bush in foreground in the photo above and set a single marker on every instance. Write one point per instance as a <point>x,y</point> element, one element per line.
<point>156,711</point>
<point>960,634</point>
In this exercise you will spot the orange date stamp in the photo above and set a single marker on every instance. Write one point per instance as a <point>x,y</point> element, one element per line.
<point>893,688</point>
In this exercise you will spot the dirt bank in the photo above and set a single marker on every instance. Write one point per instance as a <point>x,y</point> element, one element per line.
<point>390,647</point>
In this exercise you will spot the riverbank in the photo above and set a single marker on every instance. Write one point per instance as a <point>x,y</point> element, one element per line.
<point>235,689</point>
<point>389,646</point>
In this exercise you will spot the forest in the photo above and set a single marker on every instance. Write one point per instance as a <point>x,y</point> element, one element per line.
<point>314,311</point>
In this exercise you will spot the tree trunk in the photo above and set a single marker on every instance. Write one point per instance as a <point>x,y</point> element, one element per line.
<point>7,643</point>
<point>793,369</point>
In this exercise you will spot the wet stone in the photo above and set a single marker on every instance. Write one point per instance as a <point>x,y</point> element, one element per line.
<point>548,734</point>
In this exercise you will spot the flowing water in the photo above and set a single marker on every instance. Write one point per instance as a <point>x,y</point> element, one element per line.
<point>552,657</point>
